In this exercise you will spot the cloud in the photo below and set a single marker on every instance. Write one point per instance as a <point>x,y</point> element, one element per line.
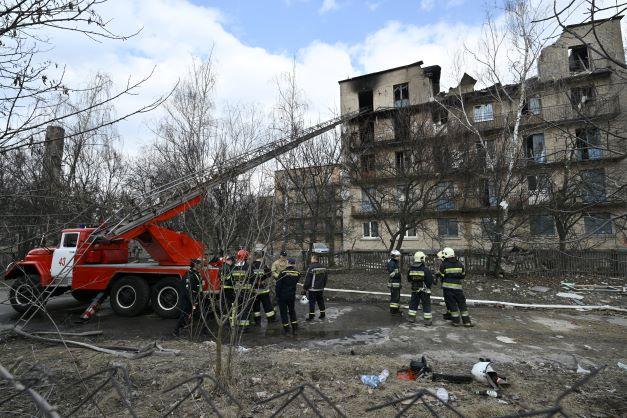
<point>328,5</point>
<point>427,5</point>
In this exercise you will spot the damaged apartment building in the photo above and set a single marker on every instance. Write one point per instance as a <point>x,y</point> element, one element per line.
<point>426,167</point>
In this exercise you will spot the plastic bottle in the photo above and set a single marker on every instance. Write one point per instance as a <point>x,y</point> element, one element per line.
<point>384,375</point>
<point>370,380</point>
<point>491,393</point>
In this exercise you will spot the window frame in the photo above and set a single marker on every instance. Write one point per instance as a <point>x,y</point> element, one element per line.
<point>370,225</point>
<point>400,88</point>
<point>483,115</point>
<point>448,222</point>
<point>595,225</point>
<point>65,238</point>
<point>542,229</point>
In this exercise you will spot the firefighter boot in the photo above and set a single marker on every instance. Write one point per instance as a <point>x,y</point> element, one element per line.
<point>467,322</point>
<point>322,315</point>
<point>447,316</point>
<point>294,327</point>
<point>428,322</point>
<point>455,321</point>
<point>286,328</point>
<point>310,317</point>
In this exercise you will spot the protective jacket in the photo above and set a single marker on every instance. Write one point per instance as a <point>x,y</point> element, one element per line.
<point>242,277</point>
<point>286,283</point>
<point>420,277</point>
<point>394,272</point>
<point>225,276</point>
<point>278,266</point>
<point>453,273</point>
<point>315,278</point>
<point>261,274</point>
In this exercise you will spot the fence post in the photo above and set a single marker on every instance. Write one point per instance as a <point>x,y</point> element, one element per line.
<point>349,260</point>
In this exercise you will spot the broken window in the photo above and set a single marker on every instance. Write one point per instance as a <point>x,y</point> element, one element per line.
<point>370,229</point>
<point>401,194</point>
<point>409,232</point>
<point>400,161</point>
<point>439,115</point>
<point>578,58</point>
<point>444,196</point>
<point>448,227</point>
<point>542,224</point>
<point>366,202</point>
<point>534,148</point>
<point>539,188</point>
<point>489,193</point>
<point>581,97</point>
<point>401,126</point>
<point>365,100</point>
<point>588,143</point>
<point>532,106</point>
<point>367,163</point>
<point>593,186</point>
<point>483,112</point>
<point>366,132</point>
<point>598,223</point>
<point>401,95</point>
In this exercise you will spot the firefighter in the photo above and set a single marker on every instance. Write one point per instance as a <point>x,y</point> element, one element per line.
<point>286,293</point>
<point>242,281</point>
<point>394,281</point>
<point>261,274</point>
<point>421,280</point>
<point>315,281</point>
<point>279,265</point>
<point>446,315</point>
<point>190,288</point>
<point>228,290</point>
<point>453,273</point>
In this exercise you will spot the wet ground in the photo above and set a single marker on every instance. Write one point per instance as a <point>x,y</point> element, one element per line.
<point>538,350</point>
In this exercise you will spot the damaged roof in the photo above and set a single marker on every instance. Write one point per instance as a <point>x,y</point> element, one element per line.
<point>414,64</point>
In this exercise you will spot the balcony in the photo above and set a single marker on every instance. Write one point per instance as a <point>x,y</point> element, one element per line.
<point>593,108</point>
<point>603,152</point>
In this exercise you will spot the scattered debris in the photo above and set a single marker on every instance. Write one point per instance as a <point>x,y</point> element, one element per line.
<point>420,367</point>
<point>505,340</point>
<point>593,287</point>
<point>242,349</point>
<point>540,289</point>
<point>569,295</point>
<point>451,378</point>
<point>373,381</point>
<point>622,365</point>
<point>442,395</point>
<point>406,374</point>
<point>484,373</point>
<point>581,370</point>
<point>490,393</point>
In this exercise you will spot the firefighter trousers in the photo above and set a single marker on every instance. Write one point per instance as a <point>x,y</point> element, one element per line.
<point>316,296</point>
<point>395,296</point>
<point>420,297</point>
<point>244,307</point>
<point>456,304</point>
<point>263,300</point>
<point>288,312</point>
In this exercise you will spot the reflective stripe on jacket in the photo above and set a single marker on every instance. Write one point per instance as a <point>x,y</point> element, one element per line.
<point>453,273</point>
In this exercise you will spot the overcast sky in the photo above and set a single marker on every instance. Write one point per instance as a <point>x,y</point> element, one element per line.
<point>253,41</point>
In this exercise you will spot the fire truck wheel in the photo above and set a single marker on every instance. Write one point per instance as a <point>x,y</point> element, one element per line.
<point>24,293</point>
<point>165,298</point>
<point>129,296</point>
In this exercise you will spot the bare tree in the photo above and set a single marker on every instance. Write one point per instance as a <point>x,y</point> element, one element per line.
<point>32,86</point>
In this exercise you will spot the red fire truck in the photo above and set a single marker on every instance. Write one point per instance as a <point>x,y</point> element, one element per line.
<point>89,261</point>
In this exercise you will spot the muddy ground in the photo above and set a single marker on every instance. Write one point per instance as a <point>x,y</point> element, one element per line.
<point>538,351</point>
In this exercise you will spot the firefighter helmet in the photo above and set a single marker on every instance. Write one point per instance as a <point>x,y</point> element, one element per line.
<point>440,256</point>
<point>395,253</point>
<point>448,252</point>
<point>419,257</point>
<point>242,255</point>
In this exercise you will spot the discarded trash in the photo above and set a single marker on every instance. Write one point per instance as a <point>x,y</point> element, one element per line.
<point>442,394</point>
<point>505,340</point>
<point>484,373</point>
<point>406,374</point>
<point>261,394</point>
<point>540,289</point>
<point>593,287</point>
<point>581,370</point>
<point>242,349</point>
<point>304,300</point>
<point>622,365</point>
<point>490,393</point>
<point>373,381</point>
<point>569,295</point>
<point>420,367</point>
<point>451,378</point>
